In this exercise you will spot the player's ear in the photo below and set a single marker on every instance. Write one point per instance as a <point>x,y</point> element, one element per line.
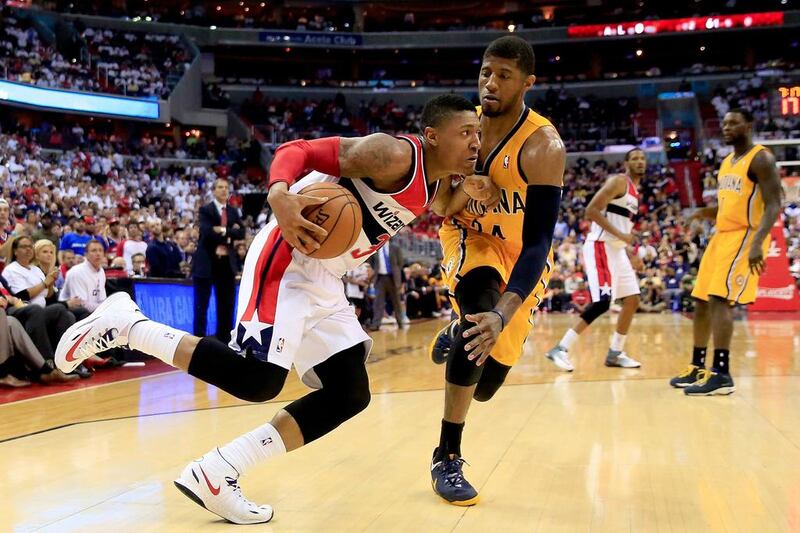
<point>431,136</point>
<point>529,81</point>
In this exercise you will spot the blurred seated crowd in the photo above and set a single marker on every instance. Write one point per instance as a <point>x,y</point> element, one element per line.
<point>327,16</point>
<point>750,93</point>
<point>78,224</point>
<point>590,123</point>
<point>104,60</point>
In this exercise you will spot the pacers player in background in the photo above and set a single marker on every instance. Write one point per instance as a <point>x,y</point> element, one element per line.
<point>496,265</point>
<point>748,203</point>
<point>608,263</point>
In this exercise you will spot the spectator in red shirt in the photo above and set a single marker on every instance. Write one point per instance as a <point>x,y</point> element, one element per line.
<point>581,298</point>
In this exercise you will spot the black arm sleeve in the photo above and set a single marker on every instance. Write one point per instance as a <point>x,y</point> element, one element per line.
<point>541,214</point>
<point>24,295</point>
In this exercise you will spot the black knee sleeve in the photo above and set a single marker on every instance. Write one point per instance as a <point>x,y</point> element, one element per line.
<point>594,311</point>
<point>477,292</point>
<point>344,394</point>
<point>494,375</point>
<point>247,378</point>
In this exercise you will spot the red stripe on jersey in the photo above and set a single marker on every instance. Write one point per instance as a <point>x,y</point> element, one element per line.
<point>414,196</point>
<point>261,264</point>
<point>601,263</point>
<point>632,190</point>
<point>268,303</point>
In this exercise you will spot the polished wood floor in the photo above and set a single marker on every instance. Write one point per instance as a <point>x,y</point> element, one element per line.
<point>597,450</point>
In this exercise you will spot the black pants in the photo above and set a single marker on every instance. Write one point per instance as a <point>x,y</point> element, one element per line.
<point>386,287</point>
<point>422,306</point>
<point>224,284</point>
<point>45,326</point>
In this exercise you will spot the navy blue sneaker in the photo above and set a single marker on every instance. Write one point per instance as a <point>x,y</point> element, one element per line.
<point>710,383</point>
<point>442,343</point>
<point>687,378</point>
<point>448,481</point>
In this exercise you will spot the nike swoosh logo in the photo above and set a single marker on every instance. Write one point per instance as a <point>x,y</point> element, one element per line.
<point>214,491</point>
<point>75,345</point>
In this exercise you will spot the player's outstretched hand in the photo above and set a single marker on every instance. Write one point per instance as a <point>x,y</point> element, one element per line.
<point>296,229</point>
<point>482,189</point>
<point>483,335</point>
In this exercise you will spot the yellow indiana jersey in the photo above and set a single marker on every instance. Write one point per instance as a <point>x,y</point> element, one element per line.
<point>502,165</point>
<point>738,197</point>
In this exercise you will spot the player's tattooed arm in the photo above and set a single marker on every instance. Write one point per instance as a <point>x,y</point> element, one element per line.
<point>474,194</point>
<point>378,156</point>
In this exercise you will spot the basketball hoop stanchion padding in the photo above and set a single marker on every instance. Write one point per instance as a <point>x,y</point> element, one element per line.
<point>776,287</point>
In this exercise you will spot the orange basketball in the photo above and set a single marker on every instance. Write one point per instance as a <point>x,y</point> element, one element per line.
<point>340,216</point>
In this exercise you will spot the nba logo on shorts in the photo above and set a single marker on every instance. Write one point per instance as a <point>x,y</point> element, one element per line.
<point>279,346</point>
<point>506,159</point>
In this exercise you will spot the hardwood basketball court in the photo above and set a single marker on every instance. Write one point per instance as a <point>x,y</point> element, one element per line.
<point>598,450</point>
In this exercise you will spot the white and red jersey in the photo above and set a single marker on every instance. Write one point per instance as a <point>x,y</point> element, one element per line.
<point>292,308</point>
<point>619,212</point>
<point>382,214</point>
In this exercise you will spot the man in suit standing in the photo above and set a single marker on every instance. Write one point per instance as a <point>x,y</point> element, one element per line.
<point>388,267</point>
<point>214,262</point>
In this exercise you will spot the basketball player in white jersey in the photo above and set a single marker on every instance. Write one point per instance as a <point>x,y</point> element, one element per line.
<point>608,263</point>
<point>292,309</point>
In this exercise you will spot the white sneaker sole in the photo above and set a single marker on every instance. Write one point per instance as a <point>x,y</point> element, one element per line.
<point>184,485</point>
<point>722,391</point>
<point>614,365</point>
<point>77,329</point>
<point>558,363</point>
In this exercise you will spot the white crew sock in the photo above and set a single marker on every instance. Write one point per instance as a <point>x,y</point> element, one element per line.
<point>251,448</point>
<point>569,337</point>
<point>618,342</point>
<point>155,339</point>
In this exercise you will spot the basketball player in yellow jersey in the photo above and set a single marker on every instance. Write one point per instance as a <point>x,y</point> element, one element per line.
<point>748,203</point>
<point>496,265</point>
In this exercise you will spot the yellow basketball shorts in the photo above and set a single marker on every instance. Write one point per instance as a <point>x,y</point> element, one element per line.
<point>465,250</point>
<point>724,269</point>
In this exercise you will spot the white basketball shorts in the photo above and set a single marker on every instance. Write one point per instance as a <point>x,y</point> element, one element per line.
<point>609,271</point>
<point>291,310</point>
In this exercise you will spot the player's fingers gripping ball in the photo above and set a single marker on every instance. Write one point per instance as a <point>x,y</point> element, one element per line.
<point>340,216</point>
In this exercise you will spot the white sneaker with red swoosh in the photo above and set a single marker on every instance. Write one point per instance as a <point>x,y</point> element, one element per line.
<point>107,327</point>
<point>212,483</point>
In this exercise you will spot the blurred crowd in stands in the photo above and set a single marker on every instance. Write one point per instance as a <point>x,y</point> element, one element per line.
<point>129,217</point>
<point>104,60</point>
<point>324,16</point>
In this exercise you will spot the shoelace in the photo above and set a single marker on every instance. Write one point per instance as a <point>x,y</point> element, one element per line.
<point>234,484</point>
<point>237,490</point>
<point>703,376</point>
<point>688,372</point>
<point>98,343</point>
<point>452,471</point>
